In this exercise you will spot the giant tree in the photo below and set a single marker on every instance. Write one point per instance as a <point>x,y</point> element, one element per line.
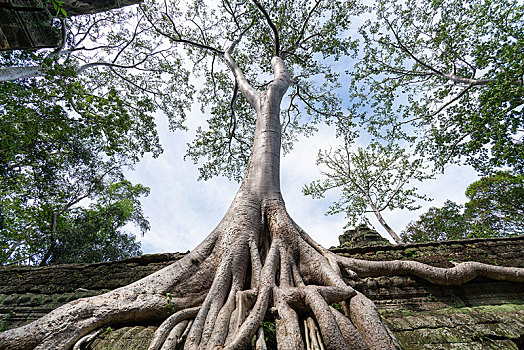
<point>257,260</point>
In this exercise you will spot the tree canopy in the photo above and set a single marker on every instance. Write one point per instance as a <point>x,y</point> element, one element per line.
<point>138,54</point>
<point>495,209</point>
<point>65,144</point>
<point>447,75</point>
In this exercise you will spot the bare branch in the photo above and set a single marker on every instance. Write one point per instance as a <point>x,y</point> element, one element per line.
<point>453,149</point>
<point>129,42</point>
<point>179,39</point>
<point>233,123</point>
<point>302,30</point>
<point>307,103</point>
<point>62,39</point>
<point>247,90</point>
<point>431,115</point>
<point>405,49</point>
<point>450,76</point>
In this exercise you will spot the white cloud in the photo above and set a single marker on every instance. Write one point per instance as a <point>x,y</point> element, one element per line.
<point>183,211</point>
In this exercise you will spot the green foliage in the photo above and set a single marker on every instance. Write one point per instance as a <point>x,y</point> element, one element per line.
<point>4,320</point>
<point>495,209</point>
<point>270,334</point>
<point>63,197</point>
<point>155,53</point>
<point>438,224</point>
<point>94,234</point>
<point>497,202</point>
<point>311,37</point>
<point>371,180</point>
<point>336,306</point>
<point>447,75</point>
<point>170,304</point>
<point>58,5</point>
<point>71,130</point>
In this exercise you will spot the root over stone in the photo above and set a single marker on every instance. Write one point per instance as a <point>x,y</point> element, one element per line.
<point>222,291</point>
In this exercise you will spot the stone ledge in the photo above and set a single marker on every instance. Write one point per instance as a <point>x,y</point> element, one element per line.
<point>425,244</point>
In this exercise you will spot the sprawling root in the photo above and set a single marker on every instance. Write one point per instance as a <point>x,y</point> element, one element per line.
<point>250,267</point>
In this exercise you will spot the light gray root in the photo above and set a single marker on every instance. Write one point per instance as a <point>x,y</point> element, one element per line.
<point>261,341</point>
<point>251,324</point>
<point>87,339</point>
<point>287,324</point>
<point>165,328</point>
<point>314,339</point>
<point>176,335</point>
<point>368,322</point>
<point>457,275</point>
<point>329,327</point>
<point>351,335</point>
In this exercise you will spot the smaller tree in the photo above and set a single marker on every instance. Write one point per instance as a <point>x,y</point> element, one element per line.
<point>495,209</point>
<point>95,233</point>
<point>41,231</point>
<point>371,180</point>
<point>497,202</point>
<point>438,224</point>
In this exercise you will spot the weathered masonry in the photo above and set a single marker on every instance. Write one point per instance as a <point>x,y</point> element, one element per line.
<point>481,314</point>
<point>28,24</point>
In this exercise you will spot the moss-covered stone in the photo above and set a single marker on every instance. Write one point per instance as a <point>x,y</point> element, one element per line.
<point>361,236</point>
<point>131,337</point>
<point>481,314</point>
<point>481,327</point>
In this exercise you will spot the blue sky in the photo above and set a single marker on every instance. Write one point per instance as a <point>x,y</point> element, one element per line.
<point>183,211</point>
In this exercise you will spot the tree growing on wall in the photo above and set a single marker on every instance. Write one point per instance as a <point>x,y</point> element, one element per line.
<point>371,180</point>
<point>259,60</point>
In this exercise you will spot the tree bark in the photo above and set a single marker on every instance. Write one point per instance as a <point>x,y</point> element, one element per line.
<point>384,224</point>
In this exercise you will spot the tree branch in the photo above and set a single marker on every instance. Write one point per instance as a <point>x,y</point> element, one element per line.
<point>302,30</point>
<point>129,42</point>
<point>233,123</point>
<point>14,73</point>
<point>271,25</point>
<point>179,39</point>
<point>437,111</point>
<point>62,40</point>
<point>450,76</point>
<point>247,90</point>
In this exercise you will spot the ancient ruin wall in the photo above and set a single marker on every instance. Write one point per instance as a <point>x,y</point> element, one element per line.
<point>482,314</point>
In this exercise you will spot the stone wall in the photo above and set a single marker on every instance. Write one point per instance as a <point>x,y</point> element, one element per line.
<point>27,293</point>
<point>481,314</point>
